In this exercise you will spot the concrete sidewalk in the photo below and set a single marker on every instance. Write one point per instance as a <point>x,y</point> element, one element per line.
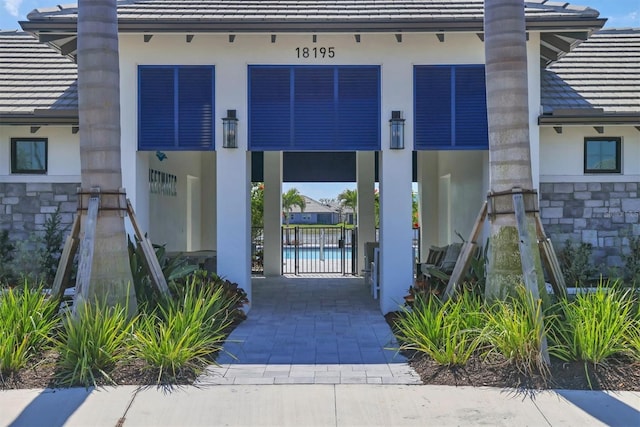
<point>316,405</point>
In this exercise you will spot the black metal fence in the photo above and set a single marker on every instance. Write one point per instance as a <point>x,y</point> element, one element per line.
<point>319,250</point>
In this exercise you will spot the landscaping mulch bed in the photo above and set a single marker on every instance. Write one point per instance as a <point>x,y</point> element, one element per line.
<point>614,375</point>
<point>617,374</point>
<point>42,374</point>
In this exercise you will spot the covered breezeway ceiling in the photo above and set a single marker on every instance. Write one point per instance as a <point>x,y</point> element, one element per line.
<point>321,166</point>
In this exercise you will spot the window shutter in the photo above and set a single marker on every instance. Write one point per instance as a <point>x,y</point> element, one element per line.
<point>471,108</point>
<point>450,107</point>
<point>269,108</point>
<point>314,108</point>
<point>156,116</point>
<point>432,97</point>
<point>358,108</point>
<point>195,108</point>
<point>315,113</point>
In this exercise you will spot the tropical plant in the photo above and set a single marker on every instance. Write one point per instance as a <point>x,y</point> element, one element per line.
<point>233,297</point>
<point>257,204</point>
<point>27,322</point>
<point>349,199</point>
<point>509,147</point>
<point>92,342</point>
<point>173,269</point>
<point>596,325</point>
<point>182,335</point>
<point>99,117</point>
<point>448,332</point>
<point>515,329</point>
<point>290,199</point>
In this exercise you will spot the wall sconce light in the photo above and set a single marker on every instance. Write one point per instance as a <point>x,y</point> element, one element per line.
<point>230,130</point>
<point>397,130</point>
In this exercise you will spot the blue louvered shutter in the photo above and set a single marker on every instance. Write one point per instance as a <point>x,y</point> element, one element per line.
<point>432,86</point>
<point>156,114</point>
<point>470,108</point>
<point>195,108</point>
<point>269,108</point>
<point>314,108</point>
<point>315,112</point>
<point>358,108</point>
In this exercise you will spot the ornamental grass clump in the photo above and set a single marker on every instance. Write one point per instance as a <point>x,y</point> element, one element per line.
<point>447,332</point>
<point>91,344</point>
<point>515,329</point>
<point>27,322</point>
<point>596,325</point>
<point>633,337</point>
<point>182,334</point>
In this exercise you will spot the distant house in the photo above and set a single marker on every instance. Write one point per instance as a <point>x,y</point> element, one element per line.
<point>320,213</point>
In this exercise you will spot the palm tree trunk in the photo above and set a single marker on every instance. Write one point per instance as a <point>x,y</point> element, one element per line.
<point>509,150</point>
<point>99,112</point>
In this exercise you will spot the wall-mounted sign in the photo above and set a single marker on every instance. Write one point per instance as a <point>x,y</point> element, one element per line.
<point>162,183</point>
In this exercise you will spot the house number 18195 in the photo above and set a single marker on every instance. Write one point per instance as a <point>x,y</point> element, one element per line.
<point>315,52</point>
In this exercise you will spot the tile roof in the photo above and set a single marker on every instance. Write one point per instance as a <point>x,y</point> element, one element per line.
<point>602,75</point>
<point>314,206</point>
<point>34,78</point>
<point>333,11</point>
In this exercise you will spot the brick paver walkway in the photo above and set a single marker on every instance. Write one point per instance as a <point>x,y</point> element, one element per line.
<point>311,331</point>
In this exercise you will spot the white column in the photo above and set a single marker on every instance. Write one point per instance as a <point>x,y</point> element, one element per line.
<point>365,170</point>
<point>209,201</point>
<point>233,172</point>
<point>272,213</point>
<point>396,268</point>
<point>428,195</point>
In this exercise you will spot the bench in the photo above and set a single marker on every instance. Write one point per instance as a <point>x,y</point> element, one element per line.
<point>439,264</point>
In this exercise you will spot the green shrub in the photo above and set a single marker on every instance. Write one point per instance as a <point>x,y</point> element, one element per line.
<point>173,269</point>
<point>52,241</point>
<point>27,322</point>
<point>448,332</point>
<point>575,261</point>
<point>91,344</point>
<point>632,261</point>
<point>184,334</point>
<point>515,328</point>
<point>595,325</point>
<point>6,256</point>
<point>233,298</point>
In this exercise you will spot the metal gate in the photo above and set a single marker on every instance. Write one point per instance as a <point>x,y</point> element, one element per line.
<point>319,250</point>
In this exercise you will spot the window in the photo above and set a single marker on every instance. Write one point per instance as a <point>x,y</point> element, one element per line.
<point>602,155</point>
<point>29,155</point>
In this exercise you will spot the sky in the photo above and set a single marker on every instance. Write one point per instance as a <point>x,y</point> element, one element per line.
<point>620,14</point>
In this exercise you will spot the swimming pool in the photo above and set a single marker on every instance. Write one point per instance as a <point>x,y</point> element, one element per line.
<point>329,253</point>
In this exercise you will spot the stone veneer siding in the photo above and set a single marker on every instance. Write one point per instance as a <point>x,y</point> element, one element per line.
<point>603,214</point>
<point>24,207</point>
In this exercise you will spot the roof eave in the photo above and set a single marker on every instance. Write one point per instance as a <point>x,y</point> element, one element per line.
<point>325,25</point>
<point>41,118</point>
<point>631,119</point>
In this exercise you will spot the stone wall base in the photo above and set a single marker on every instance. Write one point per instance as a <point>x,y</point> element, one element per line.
<point>605,215</point>
<point>24,207</point>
